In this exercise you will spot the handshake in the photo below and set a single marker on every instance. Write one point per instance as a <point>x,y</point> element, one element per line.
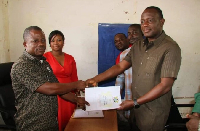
<point>81,85</point>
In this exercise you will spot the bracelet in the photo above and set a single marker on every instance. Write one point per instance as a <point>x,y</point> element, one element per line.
<point>199,126</point>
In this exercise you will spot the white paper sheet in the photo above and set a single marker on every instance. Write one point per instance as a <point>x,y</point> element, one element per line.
<point>79,113</point>
<point>103,98</point>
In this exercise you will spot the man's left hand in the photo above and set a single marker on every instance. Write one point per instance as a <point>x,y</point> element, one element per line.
<point>126,105</point>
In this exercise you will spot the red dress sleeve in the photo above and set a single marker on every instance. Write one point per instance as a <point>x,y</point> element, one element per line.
<point>74,76</point>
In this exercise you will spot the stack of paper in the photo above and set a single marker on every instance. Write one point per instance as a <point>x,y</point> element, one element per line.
<point>79,113</point>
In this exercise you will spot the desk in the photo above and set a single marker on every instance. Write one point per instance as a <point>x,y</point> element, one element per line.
<point>107,123</point>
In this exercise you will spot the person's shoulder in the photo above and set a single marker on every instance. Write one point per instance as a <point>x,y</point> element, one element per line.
<point>125,51</point>
<point>46,54</point>
<point>68,56</point>
<point>197,95</point>
<point>169,40</point>
<point>171,43</point>
<point>139,43</point>
<point>19,65</point>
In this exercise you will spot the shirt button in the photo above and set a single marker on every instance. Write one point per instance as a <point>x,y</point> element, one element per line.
<point>147,57</point>
<point>135,87</point>
<point>146,50</point>
<point>141,63</point>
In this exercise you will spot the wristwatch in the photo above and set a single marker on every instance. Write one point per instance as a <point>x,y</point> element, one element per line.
<point>136,105</point>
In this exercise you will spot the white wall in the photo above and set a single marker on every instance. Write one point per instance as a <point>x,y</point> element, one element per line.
<point>4,32</point>
<point>78,20</point>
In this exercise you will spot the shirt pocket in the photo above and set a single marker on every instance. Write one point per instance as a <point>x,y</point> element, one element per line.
<point>152,66</point>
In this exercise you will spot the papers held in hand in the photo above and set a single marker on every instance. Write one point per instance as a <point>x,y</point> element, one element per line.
<point>103,98</point>
<point>79,113</point>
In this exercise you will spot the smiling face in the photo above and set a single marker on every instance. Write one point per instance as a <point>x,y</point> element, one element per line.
<point>57,43</point>
<point>121,42</point>
<point>134,34</point>
<point>151,24</point>
<point>35,43</point>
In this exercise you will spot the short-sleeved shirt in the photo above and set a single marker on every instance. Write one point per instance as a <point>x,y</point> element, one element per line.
<point>35,111</point>
<point>152,61</point>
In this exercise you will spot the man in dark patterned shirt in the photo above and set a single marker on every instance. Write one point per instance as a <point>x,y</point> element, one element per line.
<point>155,64</point>
<point>36,87</point>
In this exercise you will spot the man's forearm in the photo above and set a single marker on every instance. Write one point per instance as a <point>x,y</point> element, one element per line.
<point>108,74</point>
<point>69,97</point>
<point>112,72</point>
<point>56,88</point>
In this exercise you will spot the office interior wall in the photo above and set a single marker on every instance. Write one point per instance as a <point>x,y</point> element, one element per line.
<point>4,32</point>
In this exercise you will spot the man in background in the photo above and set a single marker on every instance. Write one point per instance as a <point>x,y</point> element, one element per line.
<point>121,43</point>
<point>124,80</point>
<point>134,34</point>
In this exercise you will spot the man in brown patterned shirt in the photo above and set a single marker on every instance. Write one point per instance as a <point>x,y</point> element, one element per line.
<point>155,65</point>
<point>36,87</point>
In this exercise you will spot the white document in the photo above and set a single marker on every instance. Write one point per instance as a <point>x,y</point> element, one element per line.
<point>103,98</point>
<point>79,113</point>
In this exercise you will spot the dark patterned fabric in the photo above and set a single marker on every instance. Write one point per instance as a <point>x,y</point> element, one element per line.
<point>35,111</point>
<point>151,62</point>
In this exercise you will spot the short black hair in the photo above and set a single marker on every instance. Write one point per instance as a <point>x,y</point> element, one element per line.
<point>137,26</point>
<point>157,9</point>
<point>56,32</point>
<point>28,29</point>
<point>121,34</point>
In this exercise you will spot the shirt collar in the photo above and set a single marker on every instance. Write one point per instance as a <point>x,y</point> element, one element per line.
<point>155,42</point>
<point>32,58</point>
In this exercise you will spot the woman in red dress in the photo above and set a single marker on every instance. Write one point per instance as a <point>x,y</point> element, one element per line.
<point>64,68</point>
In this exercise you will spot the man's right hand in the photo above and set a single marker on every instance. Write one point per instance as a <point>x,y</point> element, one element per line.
<point>81,102</point>
<point>91,82</point>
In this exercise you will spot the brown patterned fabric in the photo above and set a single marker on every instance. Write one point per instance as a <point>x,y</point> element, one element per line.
<point>151,62</point>
<point>35,111</point>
